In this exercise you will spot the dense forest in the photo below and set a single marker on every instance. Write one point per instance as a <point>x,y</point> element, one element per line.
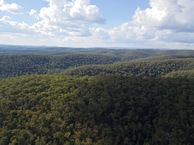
<point>146,68</point>
<point>56,109</point>
<point>64,96</point>
<point>16,65</point>
<point>94,61</point>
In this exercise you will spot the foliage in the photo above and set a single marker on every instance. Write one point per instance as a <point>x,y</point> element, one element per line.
<point>56,60</point>
<point>181,73</point>
<point>16,65</point>
<point>96,97</point>
<point>109,110</point>
<point>143,67</point>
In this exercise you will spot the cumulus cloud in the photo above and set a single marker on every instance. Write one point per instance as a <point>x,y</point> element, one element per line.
<point>99,32</point>
<point>82,10</point>
<point>170,19</point>
<point>11,8</point>
<point>167,14</point>
<point>164,21</point>
<point>68,17</point>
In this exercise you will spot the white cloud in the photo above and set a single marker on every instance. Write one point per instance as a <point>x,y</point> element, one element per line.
<point>11,8</point>
<point>32,12</point>
<point>99,32</point>
<point>8,25</point>
<point>82,10</point>
<point>170,19</point>
<point>68,17</point>
<point>167,14</point>
<point>5,18</point>
<point>165,21</point>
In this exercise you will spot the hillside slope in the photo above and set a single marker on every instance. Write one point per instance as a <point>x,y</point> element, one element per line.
<point>142,67</point>
<point>100,110</point>
<point>57,61</point>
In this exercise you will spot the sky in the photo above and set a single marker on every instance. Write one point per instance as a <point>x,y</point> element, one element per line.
<point>98,23</point>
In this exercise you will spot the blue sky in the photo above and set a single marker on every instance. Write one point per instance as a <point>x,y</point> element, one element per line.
<point>98,23</point>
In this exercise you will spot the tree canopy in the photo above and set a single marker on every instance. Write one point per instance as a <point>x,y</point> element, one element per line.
<point>57,109</point>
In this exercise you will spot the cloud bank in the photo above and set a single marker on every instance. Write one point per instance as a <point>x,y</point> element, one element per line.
<point>165,23</point>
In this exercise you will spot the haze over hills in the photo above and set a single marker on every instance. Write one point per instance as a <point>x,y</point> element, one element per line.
<point>53,49</point>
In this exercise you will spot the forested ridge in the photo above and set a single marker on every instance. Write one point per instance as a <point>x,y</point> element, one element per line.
<point>143,67</point>
<point>124,62</point>
<point>57,109</point>
<point>181,73</point>
<point>96,97</point>
<point>20,64</point>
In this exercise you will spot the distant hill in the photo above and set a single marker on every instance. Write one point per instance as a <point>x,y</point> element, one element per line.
<point>143,67</point>
<point>20,60</point>
<point>16,65</point>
